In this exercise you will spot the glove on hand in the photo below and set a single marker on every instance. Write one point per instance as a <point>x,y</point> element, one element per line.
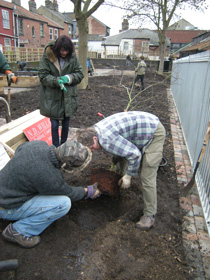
<point>65,79</point>
<point>62,85</point>
<point>11,77</point>
<point>93,191</point>
<point>125,181</point>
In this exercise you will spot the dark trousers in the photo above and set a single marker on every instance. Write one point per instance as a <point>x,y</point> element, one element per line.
<point>140,77</point>
<point>55,131</point>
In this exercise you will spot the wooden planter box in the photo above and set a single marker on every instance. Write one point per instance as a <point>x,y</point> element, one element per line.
<point>23,82</point>
<point>12,133</point>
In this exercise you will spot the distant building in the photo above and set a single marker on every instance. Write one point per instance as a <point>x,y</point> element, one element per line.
<point>96,33</point>
<point>34,28</point>
<point>50,10</point>
<point>182,33</point>
<point>182,24</point>
<point>22,28</point>
<point>135,42</point>
<point>199,44</point>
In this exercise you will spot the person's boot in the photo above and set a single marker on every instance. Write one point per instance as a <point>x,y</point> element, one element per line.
<point>10,234</point>
<point>146,222</point>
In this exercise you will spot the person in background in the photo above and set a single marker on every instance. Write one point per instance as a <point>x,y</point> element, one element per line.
<point>6,69</point>
<point>33,191</point>
<point>21,65</point>
<point>90,68</point>
<point>128,60</point>
<point>60,72</point>
<point>138,137</point>
<point>140,72</point>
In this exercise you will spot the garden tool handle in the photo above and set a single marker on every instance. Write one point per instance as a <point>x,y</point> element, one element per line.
<point>101,115</point>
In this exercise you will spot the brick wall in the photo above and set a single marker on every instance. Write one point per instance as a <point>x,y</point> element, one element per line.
<point>96,27</point>
<point>27,40</point>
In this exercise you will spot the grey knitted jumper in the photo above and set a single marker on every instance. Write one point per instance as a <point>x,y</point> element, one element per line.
<point>34,170</point>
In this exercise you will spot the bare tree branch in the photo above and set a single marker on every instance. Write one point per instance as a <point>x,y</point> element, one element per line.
<point>159,12</point>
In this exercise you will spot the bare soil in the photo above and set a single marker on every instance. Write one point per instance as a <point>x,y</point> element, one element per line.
<point>98,239</point>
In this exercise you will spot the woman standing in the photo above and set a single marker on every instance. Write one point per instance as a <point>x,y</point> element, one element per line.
<point>59,73</point>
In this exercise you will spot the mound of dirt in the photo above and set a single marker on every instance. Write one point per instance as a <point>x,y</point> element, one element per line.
<point>98,239</point>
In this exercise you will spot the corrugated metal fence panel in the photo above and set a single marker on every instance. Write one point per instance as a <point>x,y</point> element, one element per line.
<point>190,86</point>
<point>203,183</point>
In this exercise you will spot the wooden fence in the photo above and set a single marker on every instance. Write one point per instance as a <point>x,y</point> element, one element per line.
<point>31,54</point>
<point>22,54</point>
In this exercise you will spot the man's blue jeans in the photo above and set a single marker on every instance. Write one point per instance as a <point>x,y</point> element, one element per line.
<point>64,132</point>
<point>36,214</point>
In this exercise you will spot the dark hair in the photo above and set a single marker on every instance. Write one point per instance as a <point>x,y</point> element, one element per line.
<point>63,42</point>
<point>85,135</point>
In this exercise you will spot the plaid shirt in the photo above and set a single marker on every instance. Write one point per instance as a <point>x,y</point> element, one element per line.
<point>125,134</point>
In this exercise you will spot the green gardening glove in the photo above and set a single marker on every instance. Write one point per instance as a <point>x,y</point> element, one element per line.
<point>62,85</point>
<point>65,79</point>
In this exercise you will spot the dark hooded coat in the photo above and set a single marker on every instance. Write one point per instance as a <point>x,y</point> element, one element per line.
<point>3,64</point>
<point>54,102</point>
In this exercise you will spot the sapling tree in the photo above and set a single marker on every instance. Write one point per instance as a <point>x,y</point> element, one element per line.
<point>132,98</point>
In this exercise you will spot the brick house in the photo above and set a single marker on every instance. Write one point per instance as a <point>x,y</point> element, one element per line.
<point>135,42</point>
<point>199,44</point>
<point>182,33</point>
<point>22,28</point>
<point>180,38</point>
<point>7,37</point>
<point>97,31</point>
<point>50,10</point>
<point>34,28</point>
<point>95,26</point>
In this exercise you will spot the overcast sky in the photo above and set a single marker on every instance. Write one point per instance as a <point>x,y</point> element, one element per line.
<point>113,17</point>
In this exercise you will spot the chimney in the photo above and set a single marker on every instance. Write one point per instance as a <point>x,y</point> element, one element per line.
<point>16,2</point>
<point>125,24</point>
<point>32,6</point>
<point>51,5</point>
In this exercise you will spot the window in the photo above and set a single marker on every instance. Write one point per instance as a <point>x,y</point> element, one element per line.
<point>51,34</point>
<point>41,30</point>
<point>33,32</point>
<point>56,34</point>
<point>5,16</point>
<point>70,29</point>
<point>20,25</point>
<point>7,42</point>
<point>125,47</point>
<point>175,46</point>
<point>145,46</point>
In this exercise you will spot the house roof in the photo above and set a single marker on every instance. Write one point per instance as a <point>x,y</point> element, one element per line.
<point>52,23</point>
<point>204,45</point>
<point>72,16</point>
<point>22,12</point>
<point>182,24</point>
<point>95,37</point>
<point>57,14</point>
<point>183,36</point>
<point>133,34</point>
